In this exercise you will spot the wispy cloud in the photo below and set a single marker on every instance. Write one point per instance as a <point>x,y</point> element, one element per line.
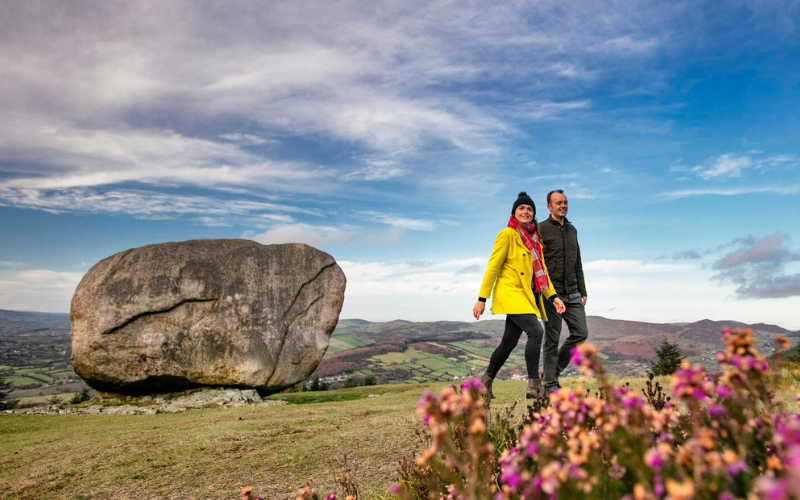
<point>733,165</point>
<point>687,193</point>
<point>315,236</point>
<point>397,221</point>
<point>727,165</point>
<point>145,204</point>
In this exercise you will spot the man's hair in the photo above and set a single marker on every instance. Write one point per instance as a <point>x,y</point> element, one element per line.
<point>560,191</point>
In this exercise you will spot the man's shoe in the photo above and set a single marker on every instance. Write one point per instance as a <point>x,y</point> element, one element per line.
<point>534,389</point>
<point>486,381</point>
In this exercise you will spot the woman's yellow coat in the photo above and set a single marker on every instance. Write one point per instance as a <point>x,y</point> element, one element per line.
<point>510,271</point>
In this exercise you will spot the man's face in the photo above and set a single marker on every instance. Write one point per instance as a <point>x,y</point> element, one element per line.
<point>558,205</point>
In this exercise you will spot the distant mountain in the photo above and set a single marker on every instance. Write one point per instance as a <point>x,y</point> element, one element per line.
<point>32,317</point>
<point>400,350</point>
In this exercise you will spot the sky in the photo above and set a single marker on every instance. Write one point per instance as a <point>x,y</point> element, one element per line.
<point>396,135</point>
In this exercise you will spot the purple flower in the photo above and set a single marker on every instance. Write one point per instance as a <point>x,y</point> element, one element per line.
<point>736,468</point>
<point>472,383</point>
<point>510,478</point>
<point>653,459</point>
<point>716,410</point>
<point>658,486</point>
<point>772,489</point>
<point>723,391</point>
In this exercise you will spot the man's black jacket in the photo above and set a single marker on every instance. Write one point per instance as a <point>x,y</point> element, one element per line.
<point>562,255</point>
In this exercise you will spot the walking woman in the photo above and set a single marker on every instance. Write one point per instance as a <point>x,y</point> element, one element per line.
<point>518,274</point>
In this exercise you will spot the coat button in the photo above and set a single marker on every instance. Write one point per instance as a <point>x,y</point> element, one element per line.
<point>522,274</point>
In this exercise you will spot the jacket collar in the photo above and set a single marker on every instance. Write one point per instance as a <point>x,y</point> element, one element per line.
<point>554,222</point>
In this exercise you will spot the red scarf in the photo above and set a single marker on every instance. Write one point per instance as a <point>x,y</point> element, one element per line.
<point>531,241</point>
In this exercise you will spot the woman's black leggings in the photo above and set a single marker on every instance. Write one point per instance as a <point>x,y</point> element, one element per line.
<point>515,325</point>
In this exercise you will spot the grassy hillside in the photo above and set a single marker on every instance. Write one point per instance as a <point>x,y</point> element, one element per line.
<point>402,351</point>
<point>35,349</point>
<point>213,453</point>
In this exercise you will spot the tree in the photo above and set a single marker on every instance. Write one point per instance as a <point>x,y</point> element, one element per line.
<point>351,382</point>
<point>370,380</point>
<point>54,400</point>
<point>668,358</point>
<point>6,403</point>
<point>318,385</point>
<point>80,397</point>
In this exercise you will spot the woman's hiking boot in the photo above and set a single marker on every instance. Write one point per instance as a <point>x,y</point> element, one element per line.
<point>486,381</point>
<point>534,389</point>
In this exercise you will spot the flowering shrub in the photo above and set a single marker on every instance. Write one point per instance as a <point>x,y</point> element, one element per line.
<point>721,436</point>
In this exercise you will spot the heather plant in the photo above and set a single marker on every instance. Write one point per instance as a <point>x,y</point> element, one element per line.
<point>720,436</point>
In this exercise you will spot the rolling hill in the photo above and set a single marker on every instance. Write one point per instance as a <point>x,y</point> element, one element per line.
<point>404,351</point>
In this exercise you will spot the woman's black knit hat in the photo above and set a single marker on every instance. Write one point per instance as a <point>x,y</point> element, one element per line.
<point>523,199</point>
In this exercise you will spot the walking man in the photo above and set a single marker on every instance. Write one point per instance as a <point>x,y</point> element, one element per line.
<point>562,255</point>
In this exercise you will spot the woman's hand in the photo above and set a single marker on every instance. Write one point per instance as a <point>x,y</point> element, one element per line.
<point>560,307</point>
<point>478,309</point>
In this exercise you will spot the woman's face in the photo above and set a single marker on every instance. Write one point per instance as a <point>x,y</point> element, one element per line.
<point>524,214</point>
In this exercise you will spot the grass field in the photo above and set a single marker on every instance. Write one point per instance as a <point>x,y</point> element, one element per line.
<point>213,453</point>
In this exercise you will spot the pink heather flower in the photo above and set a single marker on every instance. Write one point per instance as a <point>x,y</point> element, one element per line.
<point>472,383</point>
<point>425,399</point>
<point>331,496</point>
<point>658,486</point>
<point>736,468</point>
<point>772,489</point>
<point>510,478</point>
<point>394,488</point>
<point>576,356</point>
<point>723,391</point>
<point>653,459</point>
<point>715,411</point>
<point>726,495</point>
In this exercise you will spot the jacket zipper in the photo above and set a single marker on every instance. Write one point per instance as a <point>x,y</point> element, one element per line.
<point>564,250</point>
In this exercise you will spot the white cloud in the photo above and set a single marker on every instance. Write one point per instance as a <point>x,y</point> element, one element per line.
<point>687,193</point>
<point>30,289</point>
<point>625,289</point>
<point>145,204</point>
<point>315,236</point>
<point>376,170</point>
<point>727,165</point>
<point>397,221</point>
<point>732,165</point>
<point>377,79</point>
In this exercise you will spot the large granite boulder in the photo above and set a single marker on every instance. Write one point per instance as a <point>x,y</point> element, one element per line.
<point>205,312</point>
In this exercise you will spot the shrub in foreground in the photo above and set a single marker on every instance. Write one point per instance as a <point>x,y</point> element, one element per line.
<point>726,439</point>
<point>721,436</point>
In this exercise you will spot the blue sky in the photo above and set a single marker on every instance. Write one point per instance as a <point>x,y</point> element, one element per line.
<point>396,137</point>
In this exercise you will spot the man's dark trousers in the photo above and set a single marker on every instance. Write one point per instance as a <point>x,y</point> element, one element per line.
<point>555,359</point>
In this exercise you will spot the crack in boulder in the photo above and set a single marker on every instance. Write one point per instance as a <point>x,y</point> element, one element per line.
<point>152,313</point>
